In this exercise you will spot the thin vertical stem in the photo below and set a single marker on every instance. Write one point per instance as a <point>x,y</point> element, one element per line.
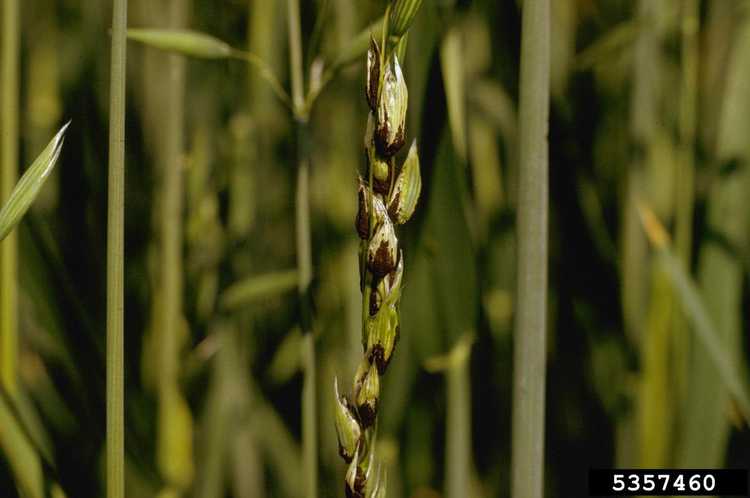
<point>171,277</point>
<point>304,253</point>
<point>115,258</point>
<point>295,56</point>
<point>8,176</point>
<point>458,423</point>
<point>309,427</point>
<point>529,361</point>
<point>687,128</point>
<point>685,180</point>
<point>171,198</point>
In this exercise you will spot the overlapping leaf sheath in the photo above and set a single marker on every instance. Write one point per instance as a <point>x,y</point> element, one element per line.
<point>387,197</point>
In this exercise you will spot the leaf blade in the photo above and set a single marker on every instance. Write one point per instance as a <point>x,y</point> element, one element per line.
<point>254,288</point>
<point>28,187</point>
<point>696,312</point>
<point>183,41</point>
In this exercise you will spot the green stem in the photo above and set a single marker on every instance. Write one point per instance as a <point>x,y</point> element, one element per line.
<point>115,257</point>
<point>458,424</point>
<point>531,225</point>
<point>687,128</point>
<point>685,180</point>
<point>304,252</point>
<point>171,164</point>
<point>309,427</point>
<point>171,208</point>
<point>295,56</point>
<point>8,176</point>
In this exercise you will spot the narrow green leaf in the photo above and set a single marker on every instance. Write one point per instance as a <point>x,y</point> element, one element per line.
<point>458,420</point>
<point>28,186</point>
<point>254,288</point>
<point>697,315</point>
<point>706,429</point>
<point>603,50</point>
<point>287,360</point>
<point>183,41</point>
<point>402,15</point>
<point>195,44</point>
<point>696,312</point>
<point>451,60</point>
<point>24,461</point>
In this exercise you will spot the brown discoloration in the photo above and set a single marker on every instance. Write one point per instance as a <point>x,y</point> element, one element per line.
<point>362,223</point>
<point>359,481</point>
<point>383,263</point>
<point>359,486</point>
<point>375,301</point>
<point>395,343</point>
<point>394,206</point>
<point>399,141</point>
<point>367,413</point>
<point>351,493</point>
<point>343,454</point>
<point>382,144</point>
<point>377,356</point>
<point>381,137</point>
<point>381,187</point>
<point>373,76</point>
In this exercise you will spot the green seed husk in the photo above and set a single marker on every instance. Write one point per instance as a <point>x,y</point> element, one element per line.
<point>403,200</point>
<point>393,100</point>
<point>347,427</point>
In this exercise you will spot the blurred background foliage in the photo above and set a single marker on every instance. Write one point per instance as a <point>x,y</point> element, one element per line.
<point>651,105</point>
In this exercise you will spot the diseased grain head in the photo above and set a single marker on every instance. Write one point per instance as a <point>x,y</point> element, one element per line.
<point>386,197</point>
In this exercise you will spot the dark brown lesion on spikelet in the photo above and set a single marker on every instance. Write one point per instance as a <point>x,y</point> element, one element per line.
<point>381,186</point>
<point>359,486</point>
<point>377,356</point>
<point>384,147</point>
<point>367,413</point>
<point>362,223</point>
<point>394,206</point>
<point>375,301</point>
<point>371,91</point>
<point>382,264</point>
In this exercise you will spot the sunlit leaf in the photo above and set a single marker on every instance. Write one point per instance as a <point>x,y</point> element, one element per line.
<point>24,461</point>
<point>186,42</point>
<point>697,314</point>
<point>451,60</point>
<point>254,288</point>
<point>203,46</point>
<point>28,186</point>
